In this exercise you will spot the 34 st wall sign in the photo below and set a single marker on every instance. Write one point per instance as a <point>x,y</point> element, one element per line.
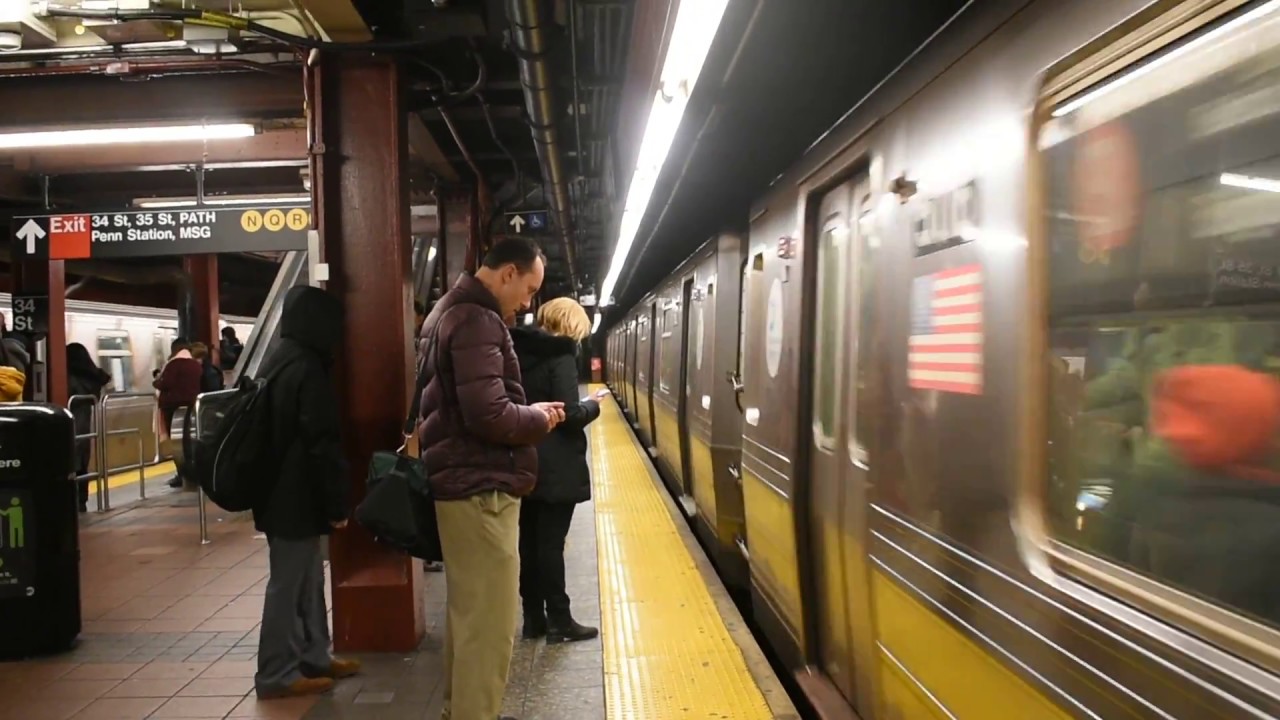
<point>147,233</point>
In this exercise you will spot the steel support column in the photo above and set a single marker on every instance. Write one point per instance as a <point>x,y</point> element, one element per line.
<point>362,203</point>
<point>203,270</point>
<point>460,233</point>
<point>45,277</point>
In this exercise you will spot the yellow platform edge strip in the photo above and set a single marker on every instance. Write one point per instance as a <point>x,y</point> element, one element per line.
<point>667,652</point>
<point>130,477</point>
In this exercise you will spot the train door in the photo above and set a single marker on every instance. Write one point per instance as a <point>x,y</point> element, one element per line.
<point>687,340</point>
<point>837,467</point>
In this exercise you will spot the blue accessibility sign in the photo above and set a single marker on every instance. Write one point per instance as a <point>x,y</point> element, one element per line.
<point>529,221</point>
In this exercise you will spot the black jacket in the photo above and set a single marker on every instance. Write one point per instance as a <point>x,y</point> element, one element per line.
<point>312,489</point>
<point>549,368</point>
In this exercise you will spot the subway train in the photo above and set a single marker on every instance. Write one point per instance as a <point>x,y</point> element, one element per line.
<point>127,341</point>
<point>980,407</point>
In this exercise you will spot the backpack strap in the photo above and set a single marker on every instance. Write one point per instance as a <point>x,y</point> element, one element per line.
<point>420,384</point>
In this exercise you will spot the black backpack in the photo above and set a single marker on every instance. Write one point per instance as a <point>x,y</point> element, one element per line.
<point>235,460</point>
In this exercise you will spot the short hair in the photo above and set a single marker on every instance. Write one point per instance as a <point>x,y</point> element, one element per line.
<point>199,350</point>
<point>564,316</point>
<point>178,345</point>
<point>518,251</point>
<point>228,331</point>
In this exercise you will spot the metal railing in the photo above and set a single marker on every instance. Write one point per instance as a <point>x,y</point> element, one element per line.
<point>100,432</point>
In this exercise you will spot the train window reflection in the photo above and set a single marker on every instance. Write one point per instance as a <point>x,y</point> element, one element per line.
<point>830,321</point>
<point>1163,216</point>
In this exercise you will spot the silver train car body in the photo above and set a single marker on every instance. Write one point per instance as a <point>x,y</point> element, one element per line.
<point>127,341</point>
<point>911,410</point>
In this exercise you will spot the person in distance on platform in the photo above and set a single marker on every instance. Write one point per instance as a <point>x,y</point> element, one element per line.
<point>229,349</point>
<point>179,385</point>
<point>477,435</point>
<point>307,502</point>
<point>548,361</point>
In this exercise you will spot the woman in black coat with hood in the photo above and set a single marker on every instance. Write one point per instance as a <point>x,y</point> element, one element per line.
<point>84,377</point>
<point>549,369</point>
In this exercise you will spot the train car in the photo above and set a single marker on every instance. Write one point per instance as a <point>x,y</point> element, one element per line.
<point>127,341</point>
<point>1026,296</point>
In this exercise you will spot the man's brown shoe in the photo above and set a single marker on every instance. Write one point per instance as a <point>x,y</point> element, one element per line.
<point>339,669</point>
<point>300,688</point>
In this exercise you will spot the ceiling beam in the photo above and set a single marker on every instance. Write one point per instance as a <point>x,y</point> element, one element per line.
<point>339,19</point>
<point>423,146</point>
<point>272,146</point>
<point>35,102</point>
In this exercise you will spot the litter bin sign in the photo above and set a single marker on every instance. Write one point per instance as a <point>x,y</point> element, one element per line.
<point>39,530</point>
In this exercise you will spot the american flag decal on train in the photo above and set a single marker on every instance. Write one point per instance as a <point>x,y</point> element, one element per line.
<point>945,349</point>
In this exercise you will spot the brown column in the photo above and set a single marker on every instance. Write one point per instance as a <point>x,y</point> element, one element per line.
<point>203,271</point>
<point>49,277</point>
<point>363,217</point>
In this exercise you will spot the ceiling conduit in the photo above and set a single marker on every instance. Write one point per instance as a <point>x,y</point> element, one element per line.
<point>531,49</point>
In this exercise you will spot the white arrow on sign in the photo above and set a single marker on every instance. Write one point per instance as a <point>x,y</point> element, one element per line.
<point>31,232</point>
<point>517,222</point>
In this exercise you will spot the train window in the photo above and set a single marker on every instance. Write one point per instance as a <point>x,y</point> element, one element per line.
<point>1163,216</point>
<point>115,355</point>
<point>868,244</point>
<point>830,321</point>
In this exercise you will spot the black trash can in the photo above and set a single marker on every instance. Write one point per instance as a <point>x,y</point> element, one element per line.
<point>39,530</point>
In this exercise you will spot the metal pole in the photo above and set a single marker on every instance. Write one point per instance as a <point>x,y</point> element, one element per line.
<point>204,521</point>
<point>142,473</point>
<point>104,475</point>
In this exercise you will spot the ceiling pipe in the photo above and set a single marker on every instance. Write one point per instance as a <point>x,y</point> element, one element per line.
<point>122,68</point>
<point>532,50</point>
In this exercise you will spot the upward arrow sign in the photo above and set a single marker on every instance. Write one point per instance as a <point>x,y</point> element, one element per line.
<point>31,232</point>
<point>517,222</point>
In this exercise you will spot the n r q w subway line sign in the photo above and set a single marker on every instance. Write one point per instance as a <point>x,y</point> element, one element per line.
<point>146,233</point>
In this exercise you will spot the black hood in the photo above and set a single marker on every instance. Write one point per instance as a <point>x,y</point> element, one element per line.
<point>313,319</point>
<point>534,345</point>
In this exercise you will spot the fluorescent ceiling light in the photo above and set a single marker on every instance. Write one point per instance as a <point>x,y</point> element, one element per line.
<point>223,200</point>
<point>125,135</point>
<point>697,22</point>
<point>1173,54</point>
<point>595,324</point>
<point>431,253</point>
<point>1249,182</point>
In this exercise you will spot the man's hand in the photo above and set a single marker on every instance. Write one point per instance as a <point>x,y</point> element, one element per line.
<point>554,412</point>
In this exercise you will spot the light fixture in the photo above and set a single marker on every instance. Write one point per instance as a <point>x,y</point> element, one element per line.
<point>431,253</point>
<point>125,135</point>
<point>223,201</point>
<point>1183,49</point>
<point>691,37</point>
<point>1249,182</point>
<point>595,323</point>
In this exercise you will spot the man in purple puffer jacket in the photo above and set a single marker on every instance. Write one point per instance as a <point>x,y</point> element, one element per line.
<point>477,436</point>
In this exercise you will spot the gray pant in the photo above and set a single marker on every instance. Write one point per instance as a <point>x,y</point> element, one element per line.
<point>295,621</point>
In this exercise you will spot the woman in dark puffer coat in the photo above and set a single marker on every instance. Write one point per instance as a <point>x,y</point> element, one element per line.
<point>549,371</point>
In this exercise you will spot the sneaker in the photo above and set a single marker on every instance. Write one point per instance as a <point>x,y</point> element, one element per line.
<point>300,688</point>
<point>337,670</point>
<point>570,631</point>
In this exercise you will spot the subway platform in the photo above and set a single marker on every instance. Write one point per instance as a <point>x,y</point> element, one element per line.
<point>171,625</point>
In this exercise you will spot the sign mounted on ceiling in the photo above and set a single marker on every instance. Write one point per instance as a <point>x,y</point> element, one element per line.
<point>145,233</point>
<point>529,222</point>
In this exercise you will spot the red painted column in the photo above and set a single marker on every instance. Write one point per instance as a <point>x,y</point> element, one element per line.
<point>362,213</point>
<point>49,277</point>
<point>203,270</point>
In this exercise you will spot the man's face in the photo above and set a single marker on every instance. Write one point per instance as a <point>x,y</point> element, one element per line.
<point>519,288</point>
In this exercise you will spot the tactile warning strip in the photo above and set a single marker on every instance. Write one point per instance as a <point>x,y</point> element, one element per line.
<point>667,652</point>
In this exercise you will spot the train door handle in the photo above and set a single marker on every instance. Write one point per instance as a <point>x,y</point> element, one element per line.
<point>736,381</point>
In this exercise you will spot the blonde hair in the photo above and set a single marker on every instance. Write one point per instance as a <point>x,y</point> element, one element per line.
<point>563,316</point>
<point>198,350</point>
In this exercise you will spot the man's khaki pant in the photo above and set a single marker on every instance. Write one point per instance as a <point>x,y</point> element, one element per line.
<point>480,537</point>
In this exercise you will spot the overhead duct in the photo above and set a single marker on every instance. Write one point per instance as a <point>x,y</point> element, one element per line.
<point>532,49</point>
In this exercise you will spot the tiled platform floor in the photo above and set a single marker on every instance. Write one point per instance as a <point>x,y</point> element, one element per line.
<point>170,631</point>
